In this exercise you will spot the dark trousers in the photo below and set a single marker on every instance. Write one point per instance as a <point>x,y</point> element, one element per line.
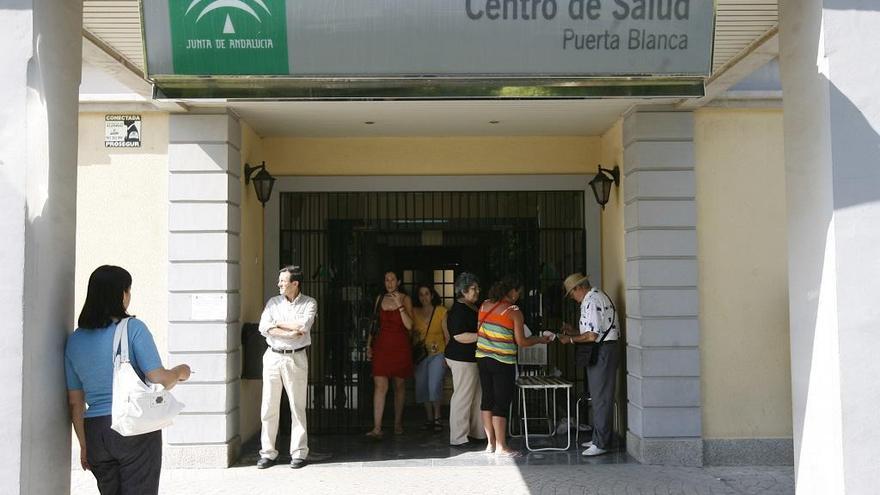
<point>123,465</point>
<point>601,378</point>
<point>498,383</point>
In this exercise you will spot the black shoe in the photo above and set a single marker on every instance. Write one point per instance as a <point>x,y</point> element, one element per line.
<point>297,463</point>
<point>265,462</point>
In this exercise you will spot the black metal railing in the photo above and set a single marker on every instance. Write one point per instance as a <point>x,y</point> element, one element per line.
<point>346,241</point>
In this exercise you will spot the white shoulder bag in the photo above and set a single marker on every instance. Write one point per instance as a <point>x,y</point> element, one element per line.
<point>138,407</point>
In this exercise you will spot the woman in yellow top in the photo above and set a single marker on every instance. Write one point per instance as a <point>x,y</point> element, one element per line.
<point>429,318</point>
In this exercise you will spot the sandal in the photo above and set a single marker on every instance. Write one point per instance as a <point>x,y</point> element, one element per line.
<point>427,425</point>
<point>375,435</point>
<point>437,425</point>
<point>398,430</point>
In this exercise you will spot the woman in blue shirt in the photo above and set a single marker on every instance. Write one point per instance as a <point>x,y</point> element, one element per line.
<point>120,464</point>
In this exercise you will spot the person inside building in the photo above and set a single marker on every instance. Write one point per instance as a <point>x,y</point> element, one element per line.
<point>390,352</point>
<point>465,422</point>
<point>500,333</point>
<point>429,316</point>
<point>286,323</point>
<point>597,352</point>
<point>120,464</point>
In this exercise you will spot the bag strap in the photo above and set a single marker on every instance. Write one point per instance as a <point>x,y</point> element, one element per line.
<point>377,305</point>
<point>613,315</point>
<point>430,320</point>
<point>489,313</point>
<point>120,340</point>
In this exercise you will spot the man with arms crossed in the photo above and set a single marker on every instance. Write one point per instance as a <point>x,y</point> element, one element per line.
<point>597,333</point>
<point>286,323</point>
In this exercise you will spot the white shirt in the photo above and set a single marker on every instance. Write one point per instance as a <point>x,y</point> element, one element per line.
<point>302,310</point>
<point>598,315</point>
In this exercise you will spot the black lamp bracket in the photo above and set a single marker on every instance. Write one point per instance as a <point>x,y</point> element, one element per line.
<point>614,173</point>
<point>250,171</point>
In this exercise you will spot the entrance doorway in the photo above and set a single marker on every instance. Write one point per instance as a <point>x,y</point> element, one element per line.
<point>347,240</point>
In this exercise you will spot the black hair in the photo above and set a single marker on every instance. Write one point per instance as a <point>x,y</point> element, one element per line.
<point>107,286</point>
<point>397,274</point>
<point>507,283</point>
<point>295,272</point>
<point>435,297</point>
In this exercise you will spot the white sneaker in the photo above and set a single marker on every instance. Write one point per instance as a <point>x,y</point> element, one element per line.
<point>593,450</point>
<point>587,444</point>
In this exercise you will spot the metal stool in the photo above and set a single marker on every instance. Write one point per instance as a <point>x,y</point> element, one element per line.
<point>545,383</point>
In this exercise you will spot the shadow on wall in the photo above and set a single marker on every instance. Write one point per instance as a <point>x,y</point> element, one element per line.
<point>854,183</point>
<point>49,242</point>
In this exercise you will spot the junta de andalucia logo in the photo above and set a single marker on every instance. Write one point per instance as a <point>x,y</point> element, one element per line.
<point>202,8</point>
<point>228,37</point>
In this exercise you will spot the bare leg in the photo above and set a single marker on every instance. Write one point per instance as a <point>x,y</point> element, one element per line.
<point>436,405</point>
<point>399,401</point>
<point>380,389</point>
<point>490,430</point>
<point>428,411</point>
<point>499,424</point>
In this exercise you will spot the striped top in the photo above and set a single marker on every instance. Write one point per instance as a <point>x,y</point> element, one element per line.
<point>495,337</point>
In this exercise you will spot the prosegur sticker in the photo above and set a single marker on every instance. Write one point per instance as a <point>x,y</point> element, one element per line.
<point>122,131</point>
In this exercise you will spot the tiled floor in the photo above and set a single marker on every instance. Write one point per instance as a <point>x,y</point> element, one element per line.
<point>420,448</point>
<point>423,463</point>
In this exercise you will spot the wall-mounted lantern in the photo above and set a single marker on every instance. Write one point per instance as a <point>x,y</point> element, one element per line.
<point>601,184</point>
<point>263,181</point>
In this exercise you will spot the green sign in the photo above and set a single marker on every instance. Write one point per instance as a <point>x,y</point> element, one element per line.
<point>229,36</point>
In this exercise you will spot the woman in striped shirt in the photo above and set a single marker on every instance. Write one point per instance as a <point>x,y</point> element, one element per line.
<point>500,333</point>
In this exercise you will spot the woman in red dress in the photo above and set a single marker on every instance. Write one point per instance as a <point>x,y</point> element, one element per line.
<point>391,352</point>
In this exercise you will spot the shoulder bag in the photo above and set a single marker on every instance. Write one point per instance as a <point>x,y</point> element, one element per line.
<point>419,349</point>
<point>138,407</point>
<point>375,324</point>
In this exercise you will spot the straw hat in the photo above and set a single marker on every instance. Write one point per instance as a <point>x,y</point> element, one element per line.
<point>572,281</point>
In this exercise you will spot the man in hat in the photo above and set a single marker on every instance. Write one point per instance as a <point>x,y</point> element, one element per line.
<point>597,352</point>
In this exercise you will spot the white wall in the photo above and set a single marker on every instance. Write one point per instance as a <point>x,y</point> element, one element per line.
<point>832,117</point>
<point>38,128</point>
<point>123,215</point>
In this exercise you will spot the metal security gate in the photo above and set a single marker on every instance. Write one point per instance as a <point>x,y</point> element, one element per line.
<point>346,241</point>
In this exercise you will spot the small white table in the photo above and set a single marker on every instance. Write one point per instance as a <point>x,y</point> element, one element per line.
<point>544,383</point>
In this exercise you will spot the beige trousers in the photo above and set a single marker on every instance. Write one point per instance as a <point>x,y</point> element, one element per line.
<point>292,372</point>
<point>464,407</point>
